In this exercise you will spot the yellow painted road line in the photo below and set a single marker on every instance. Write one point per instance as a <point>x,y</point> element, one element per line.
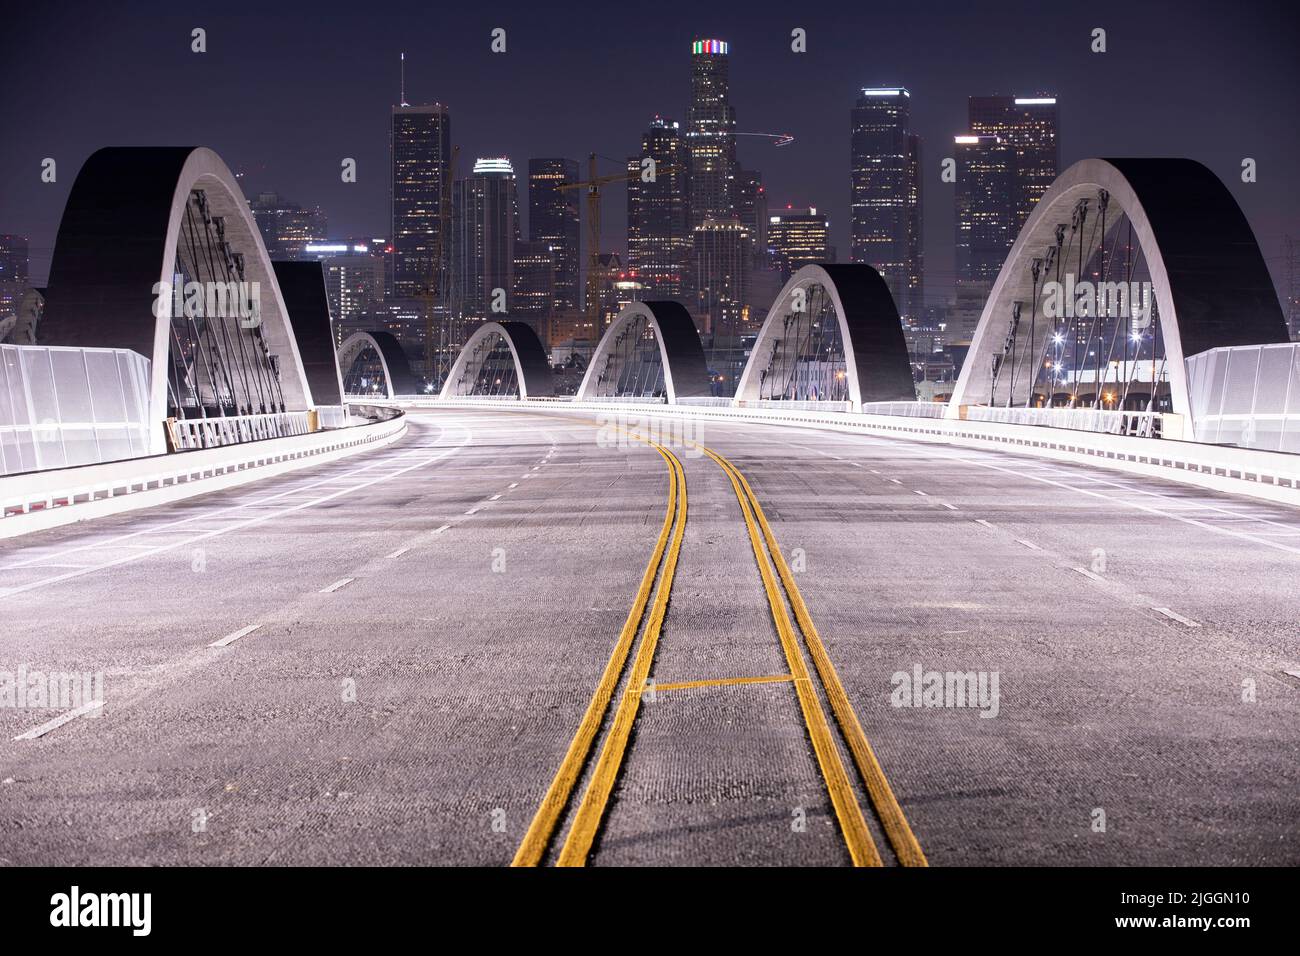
<point>862,849</point>
<point>540,831</point>
<point>882,796</point>
<point>591,811</point>
<point>723,682</point>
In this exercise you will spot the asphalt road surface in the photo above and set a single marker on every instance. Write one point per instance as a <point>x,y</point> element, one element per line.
<point>407,642</point>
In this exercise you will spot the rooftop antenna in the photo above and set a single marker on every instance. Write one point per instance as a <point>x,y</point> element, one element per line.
<point>403,100</point>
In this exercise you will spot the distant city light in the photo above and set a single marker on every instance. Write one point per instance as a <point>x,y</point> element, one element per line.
<point>897,91</point>
<point>1036,101</point>
<point>709,46</point>
<point>965,139</point>
<point>493,164</point>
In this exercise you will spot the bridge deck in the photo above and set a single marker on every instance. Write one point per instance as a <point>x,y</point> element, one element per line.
<point>465,586</point>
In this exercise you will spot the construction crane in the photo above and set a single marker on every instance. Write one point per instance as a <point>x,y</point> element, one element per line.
<point>595,268</point>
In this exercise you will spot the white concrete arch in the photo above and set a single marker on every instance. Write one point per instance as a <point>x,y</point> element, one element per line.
<point>532,367</point>
<point>398,379</point>
<point>686,373</point>
<point>875,352</point>
<point>1210,283</point>
<point>111,259</point>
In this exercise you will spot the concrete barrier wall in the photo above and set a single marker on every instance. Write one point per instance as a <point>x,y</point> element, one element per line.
<point>46,499</point>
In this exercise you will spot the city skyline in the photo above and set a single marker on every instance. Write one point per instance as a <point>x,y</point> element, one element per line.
<point>809,97</point>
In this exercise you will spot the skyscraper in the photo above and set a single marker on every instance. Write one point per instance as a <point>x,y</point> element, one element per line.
<point>986,205</point>
<point>553,220</point>
<point>420,197</point>
<point>486,216</point>
<point>798,237</point>
<point>14,274</point>
<point>1028,127</point>
<point>751,210</point>
<point>711,134</point>
<point>533,295</point>
<point>885,156</point>
<point>659,242</point>
<point>286,227</point>
<point>723,259</point>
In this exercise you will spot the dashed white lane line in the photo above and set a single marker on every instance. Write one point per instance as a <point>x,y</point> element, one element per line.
<point>1111,499</point>
<point>442,529</point>
<point>231,638</point>
<point>1090,574</point>
<point>340,583</point>
<point>494,498</point>
<point>60,720</point>
<point>472,511</point>
<point>399,552</point>
<point>921,493</point>
<point>236,525</point>
<point>948,506</point>
<point>535,468</point>
<point>528,476</point>
<point>513,484</point>
<point>1174,616</point>
<point>985,523</point>
<point>894,480</point>
<point>1028,544</point>
<point>874,471</point>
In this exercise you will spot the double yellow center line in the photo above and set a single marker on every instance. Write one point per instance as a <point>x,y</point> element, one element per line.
<point>592,808</point>
<point>595,800</point>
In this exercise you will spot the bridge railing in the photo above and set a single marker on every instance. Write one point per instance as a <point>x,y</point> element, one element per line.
<point>187,434</point>
<point>1104,421</point>
<point>906,409</point>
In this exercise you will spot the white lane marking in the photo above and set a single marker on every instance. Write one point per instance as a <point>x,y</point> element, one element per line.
<point>1109,499</point>
<point>399,552</point>
<point>340,583</point>
<point>442,529</point>
<point>219,514</point>
<point>231,638</point>
<point>1028,544</point>
<point>894,480</point>
<point>874,472</point>
<point>246,523</point>
<point>536,467</point>
<point>1089,574</point>
<point>60,720</point>
<point>513,484</point>
<point>921,493</point>
<point>1176,617</point>
<point>494,498</point>
<point>948,506</point>
<point>472,511</point>
<point>987,524</point>
<point>1205,505</point>
<point>1293,673</point>
<point>856,464</point>
<point>528,476</point>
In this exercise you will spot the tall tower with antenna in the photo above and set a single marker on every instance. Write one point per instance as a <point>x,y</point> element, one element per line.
<point>420,150</point>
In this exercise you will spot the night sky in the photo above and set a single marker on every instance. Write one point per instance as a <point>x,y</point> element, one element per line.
<point>286,90</point>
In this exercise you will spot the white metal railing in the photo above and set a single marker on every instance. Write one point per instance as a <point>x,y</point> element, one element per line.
<point>707,401</point>
<point>801,406</point>
<point>631,399</point>
<point>190,433</point>
<point>906,409</point>
<point>1105,421</point>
